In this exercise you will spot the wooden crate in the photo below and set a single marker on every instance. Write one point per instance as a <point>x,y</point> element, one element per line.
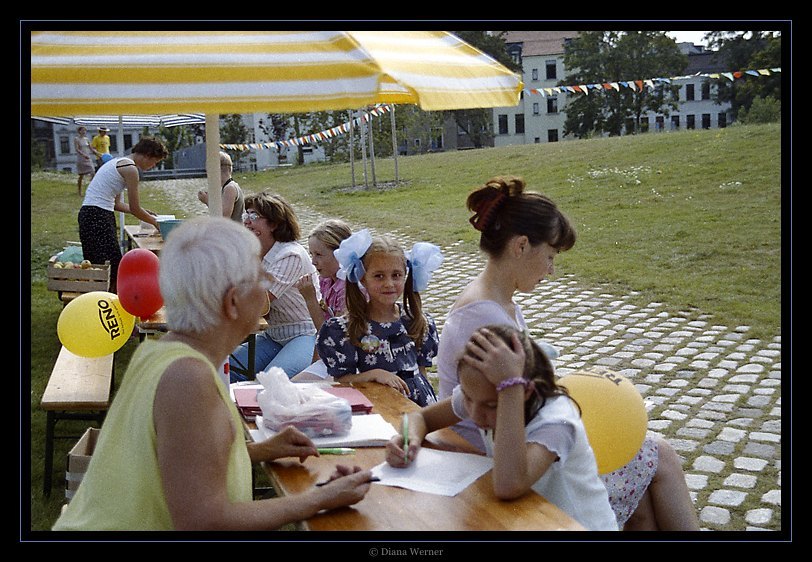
<point>77,280</point>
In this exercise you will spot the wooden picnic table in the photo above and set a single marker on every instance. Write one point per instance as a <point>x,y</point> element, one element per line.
<point>156,324</point>
<point>387,508</point>
<point>151,241</point>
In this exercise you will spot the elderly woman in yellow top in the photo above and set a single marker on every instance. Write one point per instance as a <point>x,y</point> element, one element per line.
<point>172,452</point>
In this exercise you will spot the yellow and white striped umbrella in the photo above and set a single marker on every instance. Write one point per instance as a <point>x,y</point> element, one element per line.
<point>168,72</point>
<point>163,72</point>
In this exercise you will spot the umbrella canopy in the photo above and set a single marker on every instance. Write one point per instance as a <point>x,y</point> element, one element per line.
<point>154,72</point>
<point>165,72</point>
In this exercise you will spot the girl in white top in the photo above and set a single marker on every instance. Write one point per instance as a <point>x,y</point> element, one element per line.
<point>97,221</point>
<point>507,384</point>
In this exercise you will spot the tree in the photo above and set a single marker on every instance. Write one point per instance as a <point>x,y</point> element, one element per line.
<point>477,123</point>
<point>174,138</point>
<point>613,56</point>
<point>747,50</point>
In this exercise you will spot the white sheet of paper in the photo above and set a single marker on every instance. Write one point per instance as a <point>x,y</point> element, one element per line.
<point>436,472</point>
<point>370,430</point>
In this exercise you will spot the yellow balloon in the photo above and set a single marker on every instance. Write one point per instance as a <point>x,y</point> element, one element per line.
<point>94,324</point>
<point>613,413</point>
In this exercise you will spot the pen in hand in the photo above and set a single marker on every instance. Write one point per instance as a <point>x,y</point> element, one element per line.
<point>405,430</point>
<point>373,479</point>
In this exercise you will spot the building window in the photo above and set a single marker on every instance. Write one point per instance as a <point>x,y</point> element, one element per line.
<point>706,124</point>
<point>552,105</point>
<point>519,124</point>
<point>551,70</point>
<point>659,123</point>
<point>113,144</point>
<point>552,135</point>
<point>674,122</point>
<point>514,50</point>
<point>535,108</point>
<point>534,74</point>
<point>128,141</point>
<point>689,92</point>
<point>503,121</point>
<point>722,120</point>
<point>690,121</point>
<point>537,140</point>
<point>705,90</point>
<point>64,145</point>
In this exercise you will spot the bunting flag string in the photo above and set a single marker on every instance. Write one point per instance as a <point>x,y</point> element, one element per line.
<point>313,138</point>
<point>650,83</point>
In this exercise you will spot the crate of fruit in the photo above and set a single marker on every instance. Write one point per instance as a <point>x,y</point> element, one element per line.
<point>84,277</point>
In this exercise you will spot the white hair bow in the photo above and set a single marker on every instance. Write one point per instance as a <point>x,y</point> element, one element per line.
<point>423,259</point>
<point>350,253</point>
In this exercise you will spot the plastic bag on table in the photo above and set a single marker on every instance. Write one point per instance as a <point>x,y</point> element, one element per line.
<point>308,408</point>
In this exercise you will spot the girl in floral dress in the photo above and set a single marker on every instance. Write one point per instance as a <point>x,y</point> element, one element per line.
<point>380,338</point>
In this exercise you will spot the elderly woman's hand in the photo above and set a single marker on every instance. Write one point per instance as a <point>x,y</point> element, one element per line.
<point>290,442</point>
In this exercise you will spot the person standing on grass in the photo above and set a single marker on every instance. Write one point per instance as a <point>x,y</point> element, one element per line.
<point>84,157</point>
<point>97,219</point>
<point>100,145</point>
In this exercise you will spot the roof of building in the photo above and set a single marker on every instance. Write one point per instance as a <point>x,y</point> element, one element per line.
<point>536,43</point>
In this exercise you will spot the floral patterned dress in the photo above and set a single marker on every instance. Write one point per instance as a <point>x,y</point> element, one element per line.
<point>385,346</point>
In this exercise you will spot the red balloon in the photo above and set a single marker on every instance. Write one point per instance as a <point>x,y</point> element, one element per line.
<point>138,289</point>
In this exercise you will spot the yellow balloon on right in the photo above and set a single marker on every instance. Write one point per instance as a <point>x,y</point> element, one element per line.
<point>613,414</point>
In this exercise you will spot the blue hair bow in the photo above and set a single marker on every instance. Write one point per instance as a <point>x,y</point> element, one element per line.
<point>423,260</point>
<point>350,253</point>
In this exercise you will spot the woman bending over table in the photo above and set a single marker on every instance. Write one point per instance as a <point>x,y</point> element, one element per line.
<point>172,453</point>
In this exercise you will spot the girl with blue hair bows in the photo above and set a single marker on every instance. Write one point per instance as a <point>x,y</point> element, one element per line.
<point>379,338</point>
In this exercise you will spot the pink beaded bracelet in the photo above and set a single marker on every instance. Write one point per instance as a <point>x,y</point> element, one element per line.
<point>513,382</point>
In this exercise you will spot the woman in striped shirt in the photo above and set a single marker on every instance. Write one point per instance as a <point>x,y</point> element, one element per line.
<point>289,341</point>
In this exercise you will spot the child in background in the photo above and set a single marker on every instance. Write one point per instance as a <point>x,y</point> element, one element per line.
<point>322,242</point>
<point>380,339</point>
<point>507,382</point>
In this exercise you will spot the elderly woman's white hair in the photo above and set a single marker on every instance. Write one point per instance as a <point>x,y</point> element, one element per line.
<point>201,260</point>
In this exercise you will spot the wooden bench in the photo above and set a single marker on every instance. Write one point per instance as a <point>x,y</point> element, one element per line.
<point>79,388</point>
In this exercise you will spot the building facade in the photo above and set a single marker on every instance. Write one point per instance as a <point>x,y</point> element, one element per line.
<point>541,118</point>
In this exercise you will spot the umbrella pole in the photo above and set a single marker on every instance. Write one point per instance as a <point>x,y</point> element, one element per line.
<point>394,141</point>
<point>372,151</point>
<point>213,164</point>
<point>352,147</point>
<point>120,140</point>
<point>362,126</point>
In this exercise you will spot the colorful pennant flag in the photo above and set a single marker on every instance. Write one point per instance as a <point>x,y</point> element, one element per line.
<point>640,85</point>
<point>313,138</point>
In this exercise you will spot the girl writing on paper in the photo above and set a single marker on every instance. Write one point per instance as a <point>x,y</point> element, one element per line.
<point>379,339</point>
<point>507,384</point>
<point>521,233</point>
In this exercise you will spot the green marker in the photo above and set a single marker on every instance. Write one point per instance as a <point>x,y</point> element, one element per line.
<point>335,451</point>
<point>405,429</point>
